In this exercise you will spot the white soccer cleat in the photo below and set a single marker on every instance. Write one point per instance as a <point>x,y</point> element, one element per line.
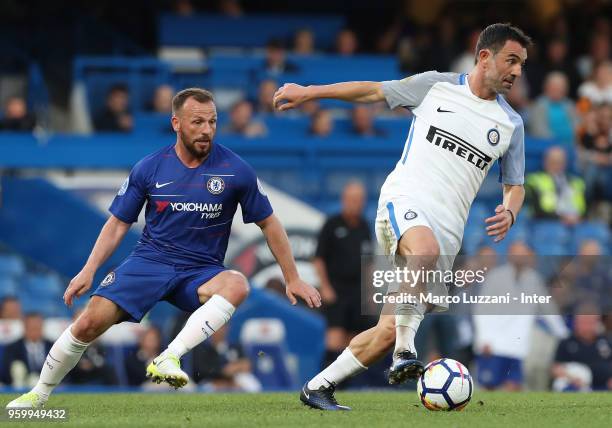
<point>31,400</point>
<point>167,368</point>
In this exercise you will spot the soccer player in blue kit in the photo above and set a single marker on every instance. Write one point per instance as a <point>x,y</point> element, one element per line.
<point>192,190</point>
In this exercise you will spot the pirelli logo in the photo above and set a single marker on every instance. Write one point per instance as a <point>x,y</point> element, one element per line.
<point>459,147</point>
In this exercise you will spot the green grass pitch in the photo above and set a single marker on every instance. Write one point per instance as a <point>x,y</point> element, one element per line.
<point>370,409</point>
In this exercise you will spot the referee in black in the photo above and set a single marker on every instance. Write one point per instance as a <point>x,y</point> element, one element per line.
<point>342,240</point>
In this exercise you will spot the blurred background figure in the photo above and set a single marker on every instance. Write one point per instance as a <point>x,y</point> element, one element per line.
<point>242,123</point>
<point>584,360</point>
<point>23,359</point>
<point>552,114</point>
<point>162,99</point>
<point>346,43</point>
<point>500,357</point>
<point>276,59</point>
<point>10,308</point>
<point>344,238</point>
<point>598,90</point>
<point>149,347</point>
<point>362,122</point>
<point>265,96</point>
<point>115,117</point>
<point>465,61</point>
<point>16,116</point>
<point>321,124</point>
<point>304,42</point>
<point>554,193</point>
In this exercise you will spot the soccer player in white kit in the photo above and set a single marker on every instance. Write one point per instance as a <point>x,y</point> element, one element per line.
<point>461,126</point>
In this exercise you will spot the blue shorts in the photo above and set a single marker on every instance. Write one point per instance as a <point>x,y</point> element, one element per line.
<point>139,283</point>
<point>494,371</point>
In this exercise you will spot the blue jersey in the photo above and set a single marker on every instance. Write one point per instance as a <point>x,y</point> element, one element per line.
<point>189,211</point>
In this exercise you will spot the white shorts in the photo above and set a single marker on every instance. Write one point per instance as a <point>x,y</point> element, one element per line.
<point>396,216</point>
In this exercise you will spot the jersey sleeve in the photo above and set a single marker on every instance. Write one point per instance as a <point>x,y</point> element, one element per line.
<point>253,200</point>
<point>411,91</point>
<point>131,196</point>
<point>512,163</point>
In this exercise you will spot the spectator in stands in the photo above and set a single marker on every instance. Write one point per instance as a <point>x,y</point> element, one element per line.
<point>310,107</point>
<point>10,308</point>
<point>518,98</point>
<point>137,361</point>
<point>346,42</point>
<point>265,95</point>
<point>598,90</point>
<point>465,61</point>
<point>223,366</point>
<point>93,368</point>
<point>303,42</point>
<point>592,276</point>
<point>584,360</point>
<point>362,122</point>
<point>595,152</point>
<point>115,117</point>
<point>162,99</point>
<point>599,51</point>
<point>553,114</point>
<point>276,60</point>
<point>242,123</point>
<point>556,59</point>
<point>231,8</point>
<point>500,356</point>
<point>23,359</point>
<point>553,193</point>
<point>183,7</point>
<point>344,238</point>
<point>16,116</point>
<point>321,124</point>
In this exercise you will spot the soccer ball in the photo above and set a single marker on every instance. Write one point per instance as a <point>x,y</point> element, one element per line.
<point>445,385</point>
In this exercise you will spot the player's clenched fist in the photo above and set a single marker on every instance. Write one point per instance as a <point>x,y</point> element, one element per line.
<point>289,96</point>
<point>78,286</point>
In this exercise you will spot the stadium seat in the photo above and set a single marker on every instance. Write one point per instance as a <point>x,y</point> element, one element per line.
<point>597,231</point>
<point>11,265</point>
<point>549,236</point>
<point>8,287</point>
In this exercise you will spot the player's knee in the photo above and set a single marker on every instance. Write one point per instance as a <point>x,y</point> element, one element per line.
<point>426,252</point>
<point>238,286</point>
<point>87,327</point>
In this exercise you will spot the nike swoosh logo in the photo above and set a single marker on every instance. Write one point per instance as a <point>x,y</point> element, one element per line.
<point>305,393</point>
<point>159,186</point>
<point>439,110</point>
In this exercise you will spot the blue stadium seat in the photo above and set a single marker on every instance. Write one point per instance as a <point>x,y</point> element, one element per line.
<point>11,265</point>
<point>8,287</point>
<point>43,285</point>
<point>597,231</point>
<point>549,237</point>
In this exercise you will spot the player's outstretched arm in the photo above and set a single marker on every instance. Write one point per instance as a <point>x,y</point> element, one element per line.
<point>291,95</point>
<point>109,239</point>
<point>505,215</point>
<point>278,242</point>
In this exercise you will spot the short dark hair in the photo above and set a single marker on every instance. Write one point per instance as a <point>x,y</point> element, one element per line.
<point>495,36</point>
<point>198,94</point>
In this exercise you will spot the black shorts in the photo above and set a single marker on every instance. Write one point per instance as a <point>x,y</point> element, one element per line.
<point>345,312</point>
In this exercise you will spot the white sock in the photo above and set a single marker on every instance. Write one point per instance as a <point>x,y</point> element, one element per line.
<point>345,366</point>
<point>202,324</point>
<point>63,356</point>
<point>406,327</point>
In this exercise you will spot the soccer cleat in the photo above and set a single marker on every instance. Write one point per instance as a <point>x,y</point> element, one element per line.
<point>31,400</point>
<point>322,398</point>
<point>405,366</point>
<point>167,368</point>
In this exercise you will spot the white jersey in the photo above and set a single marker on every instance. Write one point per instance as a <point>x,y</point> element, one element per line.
<point>453,141</point>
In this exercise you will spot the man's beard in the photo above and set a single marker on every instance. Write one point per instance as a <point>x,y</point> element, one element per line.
<point>191,147</point>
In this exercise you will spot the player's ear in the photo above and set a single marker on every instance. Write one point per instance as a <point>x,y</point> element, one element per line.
<point>484,55</point>
<point>175,123</point>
